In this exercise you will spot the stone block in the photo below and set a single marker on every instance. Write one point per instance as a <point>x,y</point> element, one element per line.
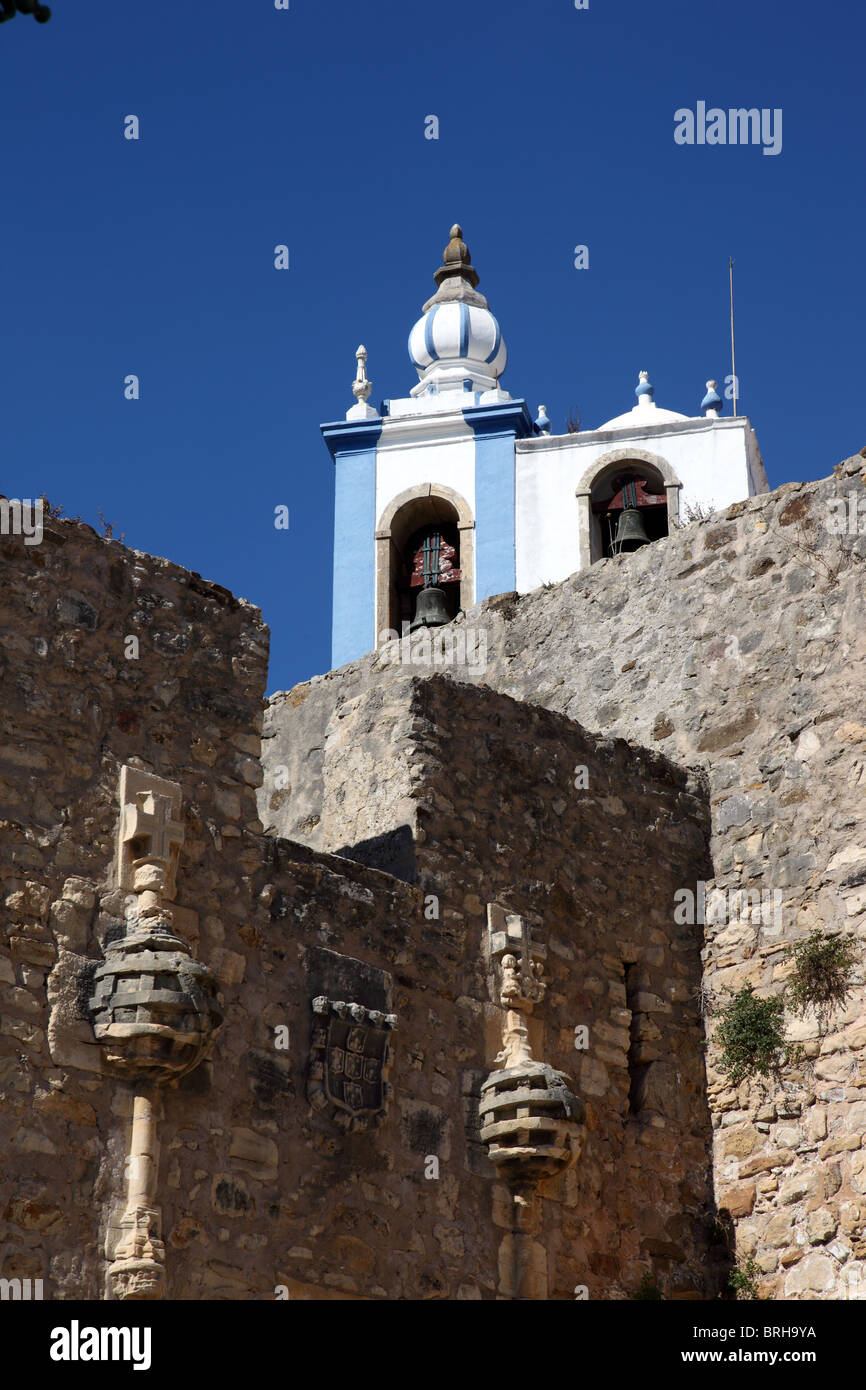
<point>30,1141</point>
<point>777,1230</point>
<point>739,1143</point>
<point>821,1226</point>
<point>254,1153</point>
<point>739,1200</point>
<point>24,948</point>
<point>80,892</point>
<point>796,1188</point>
<point>813,1274</point>
<point>33,900</point>
<point>228,966</point>
<point>858,1172</point>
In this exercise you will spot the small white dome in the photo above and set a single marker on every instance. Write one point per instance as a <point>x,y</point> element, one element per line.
<point>646,412</point>
<point>650,414</point>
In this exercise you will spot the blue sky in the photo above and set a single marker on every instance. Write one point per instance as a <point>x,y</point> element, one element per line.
<point>306,127</point>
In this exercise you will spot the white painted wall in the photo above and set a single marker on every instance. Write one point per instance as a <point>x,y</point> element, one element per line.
<point>711,458</point>
<point>546,531</point>
<point>425,449</point>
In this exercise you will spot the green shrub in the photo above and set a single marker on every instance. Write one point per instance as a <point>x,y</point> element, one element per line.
<point>752,1036</point>
<point>743,1279</point>
<point>822,975</point>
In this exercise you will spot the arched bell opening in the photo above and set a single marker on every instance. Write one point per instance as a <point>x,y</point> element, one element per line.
<point>424,546</point>
<point>628,509</point>
<point>429,585</point>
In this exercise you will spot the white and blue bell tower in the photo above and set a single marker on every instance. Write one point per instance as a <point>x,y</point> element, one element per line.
<point>455,489</point>
<point>444,455</point>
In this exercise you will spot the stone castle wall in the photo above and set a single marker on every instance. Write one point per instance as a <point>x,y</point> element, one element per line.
<point>484,782</point>
<point>258,1190</point>
<point>737,647</point>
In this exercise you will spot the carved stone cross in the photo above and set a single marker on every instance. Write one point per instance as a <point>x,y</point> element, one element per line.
<point>151,816</point>
<point>150,836</point>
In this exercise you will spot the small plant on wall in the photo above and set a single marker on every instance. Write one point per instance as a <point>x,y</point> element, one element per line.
<point>743,1279</point>
<point>823,974</point>
<point>751,1034</point>
<point>649,1291</point>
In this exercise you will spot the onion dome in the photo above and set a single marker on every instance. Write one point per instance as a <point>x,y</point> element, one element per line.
<point>459,341</point>
<point>457,344</point>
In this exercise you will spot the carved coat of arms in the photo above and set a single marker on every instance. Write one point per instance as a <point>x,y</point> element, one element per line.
<point>348,1061</point>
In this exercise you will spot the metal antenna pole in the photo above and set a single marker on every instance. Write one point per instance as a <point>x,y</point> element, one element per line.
<point>733,356</point>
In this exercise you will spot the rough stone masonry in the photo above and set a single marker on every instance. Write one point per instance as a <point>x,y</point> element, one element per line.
<point>134,870</point>
<point>685,715</point>
<point>737,647</point>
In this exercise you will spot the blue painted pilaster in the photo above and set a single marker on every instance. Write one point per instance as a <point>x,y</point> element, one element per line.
<point>496,428</point>
<point>352,445</point>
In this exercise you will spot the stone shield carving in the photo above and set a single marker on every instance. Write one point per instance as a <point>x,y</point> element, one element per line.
<point>349,1057</point>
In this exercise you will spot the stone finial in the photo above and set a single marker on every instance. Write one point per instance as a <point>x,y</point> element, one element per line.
<point>361,387</point>
<point>542,423</point>
<point>711,405</point>
<point>644,390</point>
<point>456,278</point>
<point>456,260</point>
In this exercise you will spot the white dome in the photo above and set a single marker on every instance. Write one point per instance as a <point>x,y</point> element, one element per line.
<point>649,414</point>
<point>646,412</point>
<point>458,340</point>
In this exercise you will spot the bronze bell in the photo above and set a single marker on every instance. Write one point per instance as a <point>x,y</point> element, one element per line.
<point>630,532</point>
<point>430,609</point>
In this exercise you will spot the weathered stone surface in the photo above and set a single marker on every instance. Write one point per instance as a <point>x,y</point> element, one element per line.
<point>814,1273</point>
<point>821,1226</point>
<point>463,792</point>
<point>34,1216</point>
<point>796,1188</point>
<point>65,1107</point>
<point>259,909</point>
<point>777,1231</point>
<point>255,1153</point>
<point>738,1200</point>
<point>785,763</point>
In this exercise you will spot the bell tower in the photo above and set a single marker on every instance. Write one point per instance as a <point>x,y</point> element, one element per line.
<point>451,494</point>
<point>425,515</point>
